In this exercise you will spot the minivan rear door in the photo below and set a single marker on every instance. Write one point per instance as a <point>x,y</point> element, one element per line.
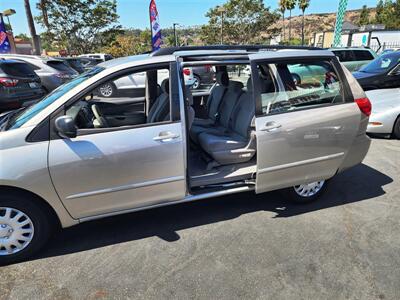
<point>306,117</point>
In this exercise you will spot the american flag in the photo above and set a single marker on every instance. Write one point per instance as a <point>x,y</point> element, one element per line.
<point>4,42</point>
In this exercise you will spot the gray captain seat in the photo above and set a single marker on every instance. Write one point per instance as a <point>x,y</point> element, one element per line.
<point>214,100</point>
<point>159,111</point>
<point>236,143</point>
<point>222,113</point>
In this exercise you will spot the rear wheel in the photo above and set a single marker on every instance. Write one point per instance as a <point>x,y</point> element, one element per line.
<point>107,90</point>
<point>396,129</point>
<point>196,82</point>
<point>305,193</point>
<point>24,228</point>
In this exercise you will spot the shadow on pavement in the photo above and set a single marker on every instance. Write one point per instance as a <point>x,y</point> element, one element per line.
<point>358,184</point>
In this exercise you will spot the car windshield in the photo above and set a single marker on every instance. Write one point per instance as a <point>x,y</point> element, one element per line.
<point>28,113</point>
<point>382,64</point>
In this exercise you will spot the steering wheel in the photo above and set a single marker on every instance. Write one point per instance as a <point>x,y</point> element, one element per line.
<point>99,116</point>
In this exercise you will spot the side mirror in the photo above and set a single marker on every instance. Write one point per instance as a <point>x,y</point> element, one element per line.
<point>65,126</point>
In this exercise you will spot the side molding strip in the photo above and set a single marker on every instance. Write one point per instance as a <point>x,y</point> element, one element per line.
<point>128,187</point>
<point>300,163</point>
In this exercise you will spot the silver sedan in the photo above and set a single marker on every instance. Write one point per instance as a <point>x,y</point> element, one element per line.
<point>385,117</point>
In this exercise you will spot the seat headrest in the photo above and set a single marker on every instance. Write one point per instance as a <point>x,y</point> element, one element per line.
<point>188,95</point>
<point>249,85</point>
<point>222,79</point>
<point>235,85</point>
<point>165,86</point>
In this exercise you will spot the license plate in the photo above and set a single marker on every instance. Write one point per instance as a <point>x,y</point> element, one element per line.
<point>33,85</point>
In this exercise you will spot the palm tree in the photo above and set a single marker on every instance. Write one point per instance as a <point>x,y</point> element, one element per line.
<point>31,24</point>
<point>282,8</point>
<point>303,4</point>
<point>290,4</point>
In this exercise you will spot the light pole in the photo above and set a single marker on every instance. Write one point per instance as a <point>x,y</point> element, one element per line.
<point>222,10</point>
<point>175,35</point>
<point>7,13</point>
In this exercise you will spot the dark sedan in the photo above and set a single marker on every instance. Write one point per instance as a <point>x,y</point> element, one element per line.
<point>382,73</point>
<point>19,85</point>
<point>75,63</point>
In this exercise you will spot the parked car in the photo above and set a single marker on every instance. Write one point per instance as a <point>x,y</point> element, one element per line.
<point>52,72</point>
<point>385,116</point>
<point>102,56</point>
<point>19,85</point>
<point>203,76</point>
<point>134,85</point>
<point>75,157</point>
<point>354,58</point>
<point>381,73</point>
<point>389,50</point>
<point>75,63</point>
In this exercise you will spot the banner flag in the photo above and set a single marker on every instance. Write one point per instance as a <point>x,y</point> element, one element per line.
<point>156,38</point>
<point>5,46</point>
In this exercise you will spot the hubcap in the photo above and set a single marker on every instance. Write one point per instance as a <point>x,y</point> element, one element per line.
<point>106,90</point>
<point>310,189</point>
<point>16,230</point>
<point>196,83</point>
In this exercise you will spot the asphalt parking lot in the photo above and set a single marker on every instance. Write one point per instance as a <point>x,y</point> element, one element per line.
<point>346,246</point>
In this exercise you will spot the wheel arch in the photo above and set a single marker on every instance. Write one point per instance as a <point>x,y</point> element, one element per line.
<point>54,216</point>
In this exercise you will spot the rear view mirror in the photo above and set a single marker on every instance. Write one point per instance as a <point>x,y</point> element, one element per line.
<point>65,127</point>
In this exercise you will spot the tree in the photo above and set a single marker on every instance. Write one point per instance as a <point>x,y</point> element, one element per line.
<point>23,37</point>
<point>303,5</point>
<point>290,5</point>
<point>32,30</point>
<point>364,16</point>
<point>282,9</point>
<point>388,13</point>
<point>131,42</point>
<point>77,24</point>
<point>244,21</point>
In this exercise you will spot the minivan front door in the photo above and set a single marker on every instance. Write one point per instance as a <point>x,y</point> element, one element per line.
<point>306,120</point>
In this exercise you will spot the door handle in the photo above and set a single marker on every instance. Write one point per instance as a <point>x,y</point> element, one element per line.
<point>271,126</point>
<point>165,135</point>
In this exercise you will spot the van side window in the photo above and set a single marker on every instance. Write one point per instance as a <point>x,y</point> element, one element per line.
<point>132,99</point>
<point>362,55</point>
<point>301,85</point>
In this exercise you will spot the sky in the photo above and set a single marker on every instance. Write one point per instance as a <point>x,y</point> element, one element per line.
<point>134,13</point>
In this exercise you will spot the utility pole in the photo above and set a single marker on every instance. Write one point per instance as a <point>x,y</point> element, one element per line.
<point>31,24</point>
<point>175,35</point>
<point>222,10</point>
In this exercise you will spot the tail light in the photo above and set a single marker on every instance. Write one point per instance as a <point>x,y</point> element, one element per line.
<point>8,82</point>
<point>364,105</point>
<point>186,72</point>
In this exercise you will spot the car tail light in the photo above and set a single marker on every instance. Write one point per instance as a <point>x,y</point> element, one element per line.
<point>8,82</point>
<point>365,106</point>
<point>186,72</point>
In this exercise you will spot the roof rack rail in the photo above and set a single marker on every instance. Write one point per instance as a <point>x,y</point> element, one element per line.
<point>249,48</point>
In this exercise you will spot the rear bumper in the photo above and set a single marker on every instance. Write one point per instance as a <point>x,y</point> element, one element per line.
<point>357,152</point>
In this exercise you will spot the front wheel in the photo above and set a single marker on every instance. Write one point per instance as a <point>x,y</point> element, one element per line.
<point>107,90</point>
<point>396,129</point>
<point>196,82</point>
<point>305,193</point>
<point>24,228</point>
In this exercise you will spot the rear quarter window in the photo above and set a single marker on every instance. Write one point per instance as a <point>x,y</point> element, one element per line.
<point>363,55</point>
<point>59,65</point>
<point>17,69</point>
<point>344,55</point>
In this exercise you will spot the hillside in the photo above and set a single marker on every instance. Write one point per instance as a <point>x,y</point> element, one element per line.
<point>316,22</point>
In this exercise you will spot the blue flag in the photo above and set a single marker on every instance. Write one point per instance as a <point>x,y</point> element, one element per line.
<point>5,46</point>
<point>156,38</point>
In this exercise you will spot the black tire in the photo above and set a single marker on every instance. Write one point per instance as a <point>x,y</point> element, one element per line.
<point>198,79</point>
<point>396,128</point>
<point>40,218</point>
<point>293,196</point>
<point>107,90</point>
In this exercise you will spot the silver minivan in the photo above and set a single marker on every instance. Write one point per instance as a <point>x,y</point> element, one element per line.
<point>76,156</point>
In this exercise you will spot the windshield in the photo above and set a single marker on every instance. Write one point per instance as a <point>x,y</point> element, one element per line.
<point>28,113</point>
<point>382,64</point>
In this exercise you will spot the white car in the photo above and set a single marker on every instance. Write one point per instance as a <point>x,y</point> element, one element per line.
<point>136,83</point>
<point>385,117</point>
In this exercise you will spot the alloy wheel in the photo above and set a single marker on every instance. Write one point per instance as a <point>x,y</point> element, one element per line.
<point>310,189</point>
<point>106,90</point>
<point>16,231</point>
